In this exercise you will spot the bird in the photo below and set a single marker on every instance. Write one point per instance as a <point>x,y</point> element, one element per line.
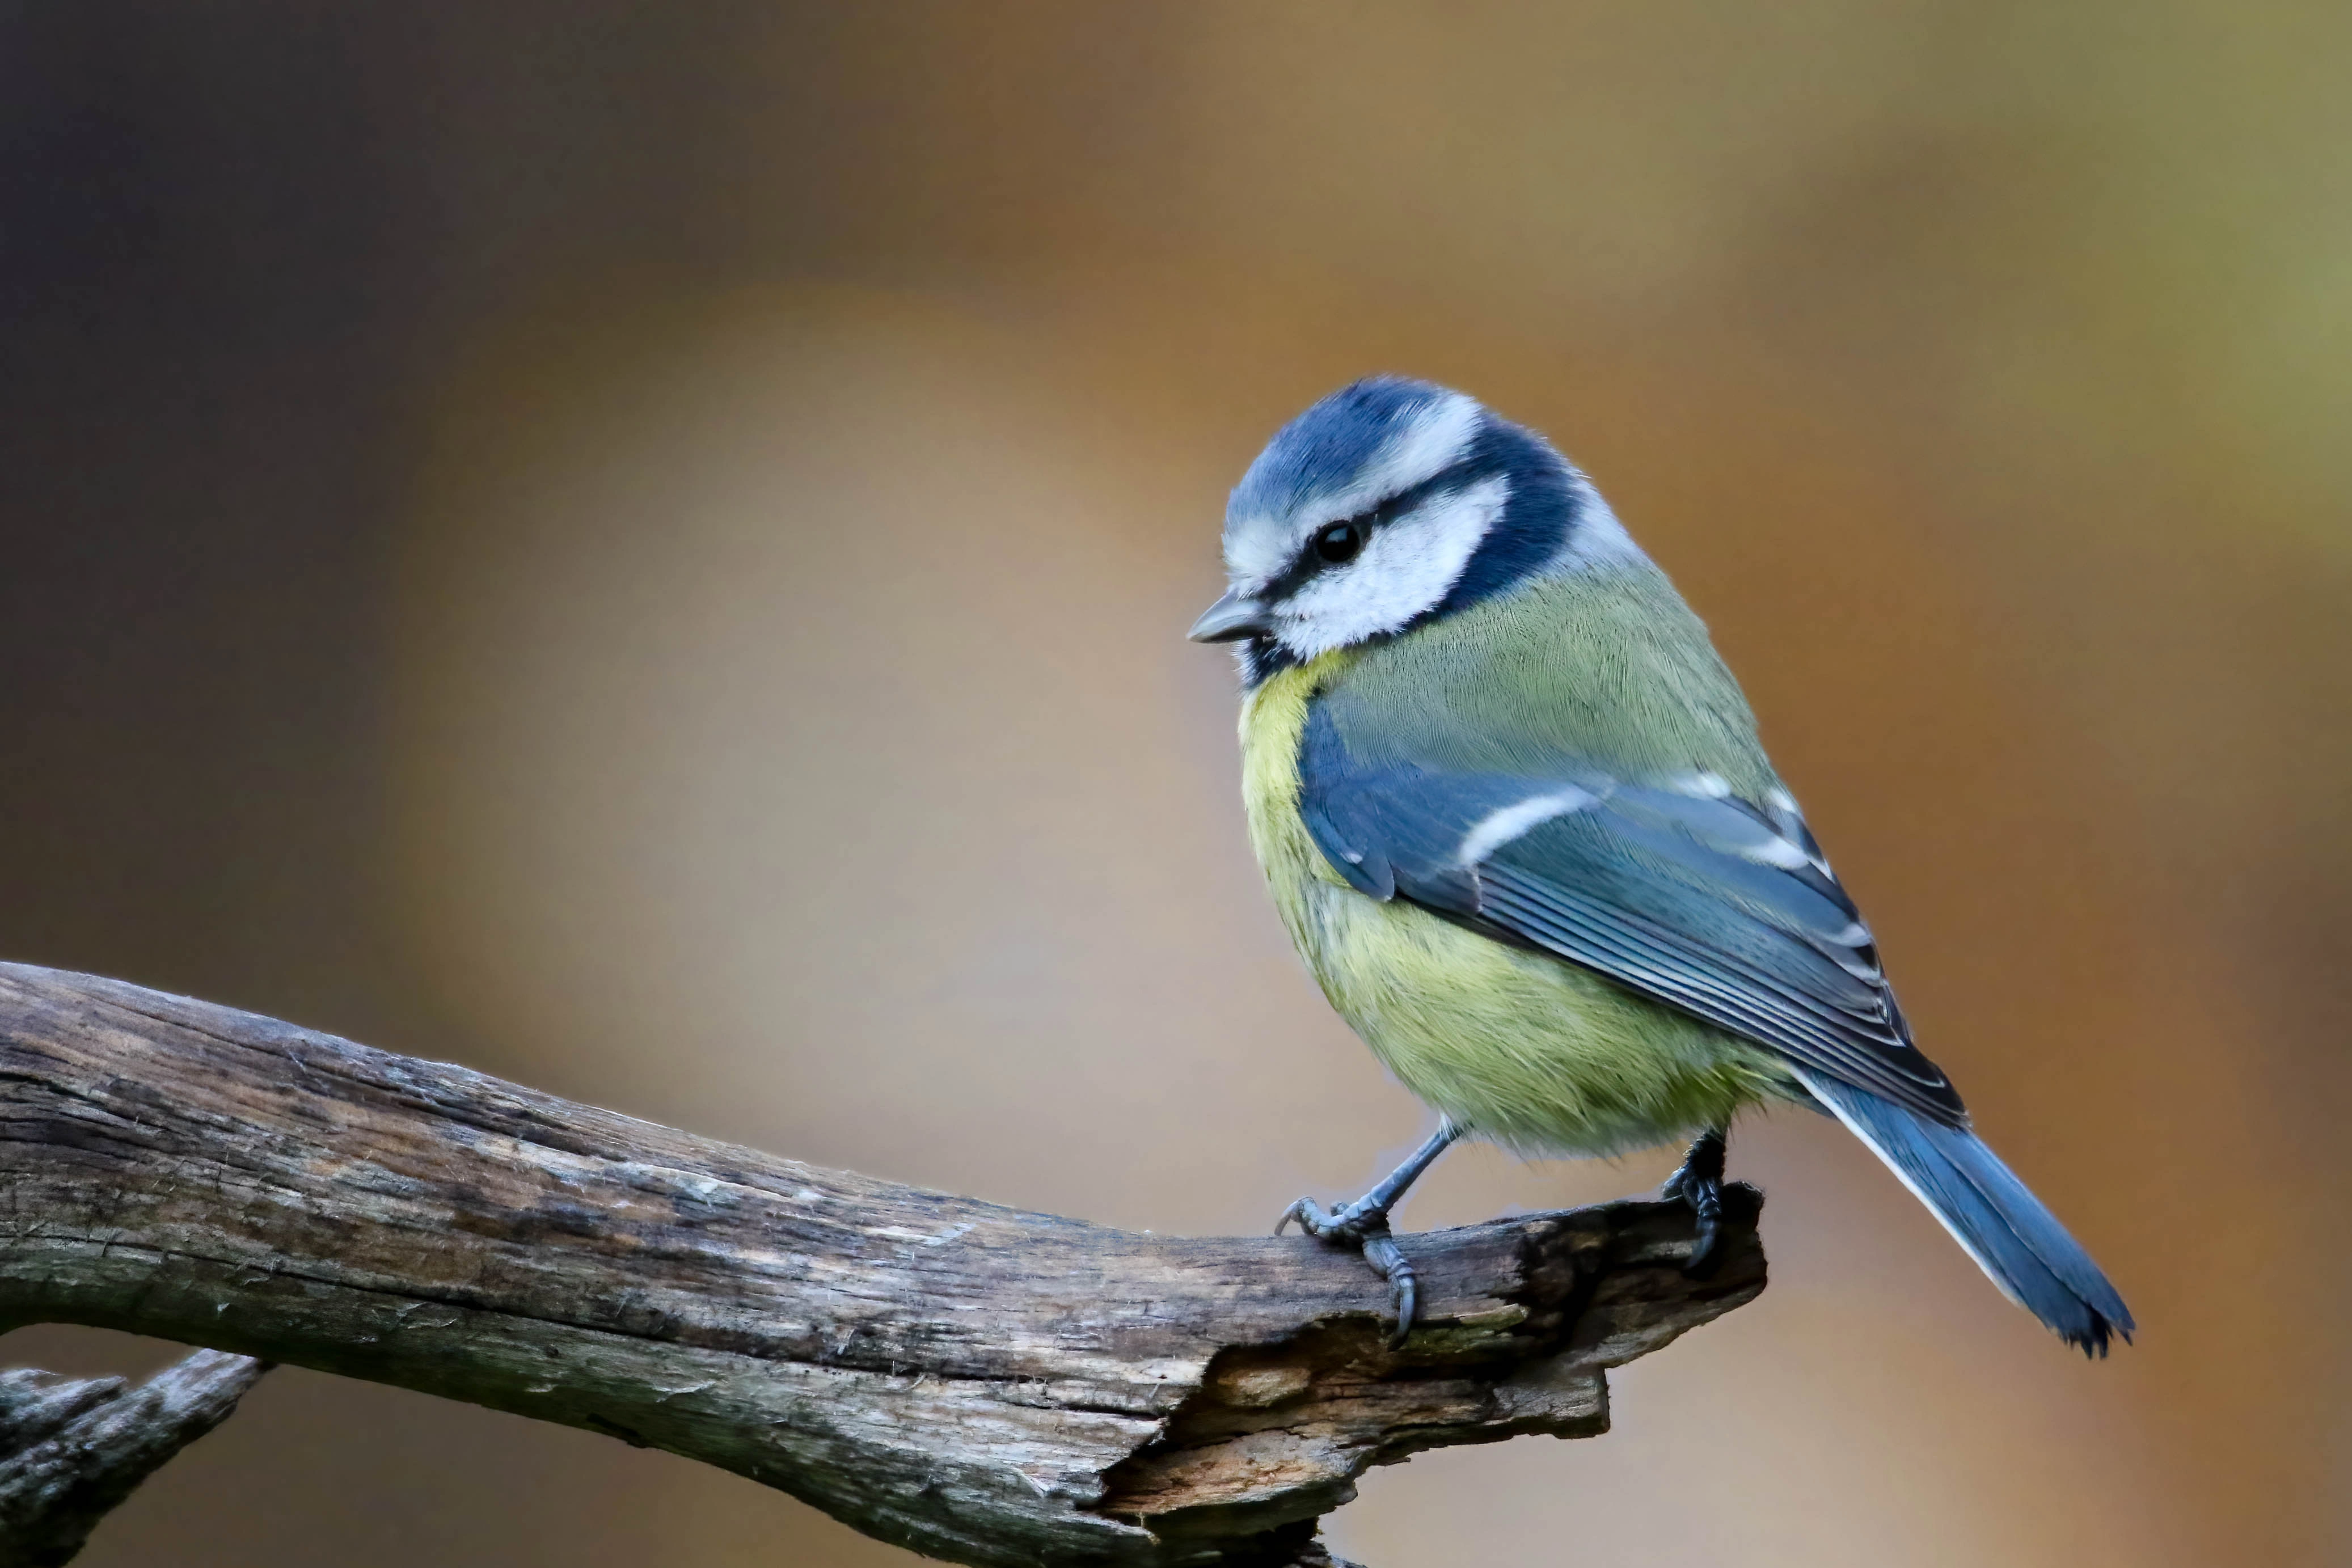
<point>1514,811</point>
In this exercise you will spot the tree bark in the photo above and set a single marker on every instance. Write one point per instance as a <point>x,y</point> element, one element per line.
<point>71,1451</point>
<point>980,1383</point>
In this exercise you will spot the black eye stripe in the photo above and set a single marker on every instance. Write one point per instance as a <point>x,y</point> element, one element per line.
<point>1364,522</point>
<point>1310,559</point>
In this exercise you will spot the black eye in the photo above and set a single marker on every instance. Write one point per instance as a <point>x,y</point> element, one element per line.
<point>1340,542</point>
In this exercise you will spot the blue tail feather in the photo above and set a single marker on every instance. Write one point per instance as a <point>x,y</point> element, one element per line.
<point>2017,1242</point>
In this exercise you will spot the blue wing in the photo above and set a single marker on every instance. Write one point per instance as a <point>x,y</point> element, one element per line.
<point>1674,888</point>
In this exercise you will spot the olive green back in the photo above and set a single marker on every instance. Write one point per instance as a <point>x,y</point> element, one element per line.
<point>1607,666</point>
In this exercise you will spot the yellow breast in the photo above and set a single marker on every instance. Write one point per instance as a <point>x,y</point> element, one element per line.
<point>1516,1047</point>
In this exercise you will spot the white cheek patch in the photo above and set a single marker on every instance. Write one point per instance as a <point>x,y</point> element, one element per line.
<point>1432,440</point>
<point>1407,566</point>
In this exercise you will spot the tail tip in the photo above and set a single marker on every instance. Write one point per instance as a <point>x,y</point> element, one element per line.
<point>2093,1334</point>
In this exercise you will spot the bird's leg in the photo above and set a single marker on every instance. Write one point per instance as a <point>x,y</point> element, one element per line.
<point>1699,1183</point>
<point>1364,1223</point>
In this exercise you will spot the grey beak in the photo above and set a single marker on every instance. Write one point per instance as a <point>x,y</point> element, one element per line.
<point>1229,620</point>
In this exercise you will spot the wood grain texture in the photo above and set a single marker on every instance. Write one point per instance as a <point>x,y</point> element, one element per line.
<point>977,1382</point>
<point>71,1451</point>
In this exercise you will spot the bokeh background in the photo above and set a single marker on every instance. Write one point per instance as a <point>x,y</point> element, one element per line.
<point>644,549</point>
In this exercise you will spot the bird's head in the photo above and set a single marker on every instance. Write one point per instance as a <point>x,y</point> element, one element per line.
<point>1389,504</point>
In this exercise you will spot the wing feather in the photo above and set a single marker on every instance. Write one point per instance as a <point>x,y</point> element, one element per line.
<point>1675,888</point>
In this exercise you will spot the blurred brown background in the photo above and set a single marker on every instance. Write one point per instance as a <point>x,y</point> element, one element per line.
<point>644,549</point>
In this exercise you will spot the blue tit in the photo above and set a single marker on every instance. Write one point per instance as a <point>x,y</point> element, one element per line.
<point>1513,809</point>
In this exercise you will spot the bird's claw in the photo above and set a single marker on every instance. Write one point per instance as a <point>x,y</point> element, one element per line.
<point>1348,1226</point>
<point>1381,1251</point>
<point>1367,1230</point>
<point>1699,1183</point>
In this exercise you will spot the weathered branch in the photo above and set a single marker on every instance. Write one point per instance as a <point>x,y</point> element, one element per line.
<point>980,1383</point>
<point>71,1451</point>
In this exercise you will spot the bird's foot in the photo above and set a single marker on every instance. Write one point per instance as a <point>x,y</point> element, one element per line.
<point>1363,1225</point>
<point>1699,1183</point>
